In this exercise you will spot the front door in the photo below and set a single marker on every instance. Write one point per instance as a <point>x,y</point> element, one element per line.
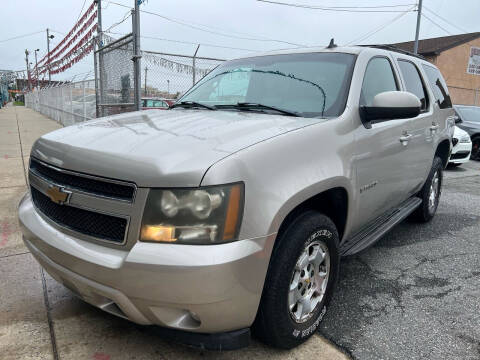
<point>381,158</point>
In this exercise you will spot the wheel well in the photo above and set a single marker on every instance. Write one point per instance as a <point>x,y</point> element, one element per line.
<point>332,203</point>
<point>443,151</point>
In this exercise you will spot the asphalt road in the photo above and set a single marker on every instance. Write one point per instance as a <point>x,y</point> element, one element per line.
<point>416,293</point>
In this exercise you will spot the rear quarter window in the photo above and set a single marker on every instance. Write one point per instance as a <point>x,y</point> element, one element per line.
<point>439,87</point>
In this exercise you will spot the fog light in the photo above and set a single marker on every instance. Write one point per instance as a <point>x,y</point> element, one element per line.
<point>158,233</point>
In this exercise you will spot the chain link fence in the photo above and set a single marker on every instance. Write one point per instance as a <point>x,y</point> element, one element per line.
<point>67,103</point>
<point>114,74</point>
<point>169,76</point>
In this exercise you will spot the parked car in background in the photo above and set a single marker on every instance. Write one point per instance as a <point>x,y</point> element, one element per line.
<point>462,147</point>
<point>470,122</point>
<point>231,210</point>
<point>154,103</point>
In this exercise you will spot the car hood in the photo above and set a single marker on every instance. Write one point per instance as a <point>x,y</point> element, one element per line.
<point>160,148</point>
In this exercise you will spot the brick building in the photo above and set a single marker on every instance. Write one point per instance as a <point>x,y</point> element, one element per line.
<point>458,58</point>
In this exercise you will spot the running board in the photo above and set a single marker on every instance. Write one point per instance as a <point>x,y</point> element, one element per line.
<point>380,227</point>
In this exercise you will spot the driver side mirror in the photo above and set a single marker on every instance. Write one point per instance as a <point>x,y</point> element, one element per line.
<point>390,105</point>
<point>458,120</point>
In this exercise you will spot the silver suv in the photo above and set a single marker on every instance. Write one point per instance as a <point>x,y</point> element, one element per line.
<point>230,211</point>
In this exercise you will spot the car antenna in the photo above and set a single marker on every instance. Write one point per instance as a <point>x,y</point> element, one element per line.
<point>332,44</point>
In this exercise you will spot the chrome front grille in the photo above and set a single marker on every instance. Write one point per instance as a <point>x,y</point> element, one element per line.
<point>86,222</point>
<point>85,206</point>
<point>83,182</point>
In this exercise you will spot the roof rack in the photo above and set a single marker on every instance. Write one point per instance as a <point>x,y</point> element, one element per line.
<point>395,49</point>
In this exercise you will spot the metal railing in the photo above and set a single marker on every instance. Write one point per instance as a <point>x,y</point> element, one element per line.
<point>67,103</point>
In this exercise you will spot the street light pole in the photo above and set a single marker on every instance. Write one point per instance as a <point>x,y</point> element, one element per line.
<point>417,31</point>
<point>49,37</point>
<point>168,86</point>
<point>36,68</point>
<point>28,70</point>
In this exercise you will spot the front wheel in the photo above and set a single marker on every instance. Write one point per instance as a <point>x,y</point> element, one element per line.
<point>300,281</point>
<point>430,193</point>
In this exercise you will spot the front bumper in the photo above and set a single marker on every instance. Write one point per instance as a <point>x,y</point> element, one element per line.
<point>460,153</point>
<point>200,289</point>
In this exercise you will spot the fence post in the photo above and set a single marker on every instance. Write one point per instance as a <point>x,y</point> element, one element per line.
<point>137,78</point>
<point>193,63</point>
<point>84,103</point>
<point>71,103</point>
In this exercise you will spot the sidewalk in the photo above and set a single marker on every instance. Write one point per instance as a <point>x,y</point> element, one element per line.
<point>40,319</point>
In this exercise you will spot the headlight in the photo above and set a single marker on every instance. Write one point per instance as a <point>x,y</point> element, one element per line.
<point>208,215</point>
<point>465,139</point>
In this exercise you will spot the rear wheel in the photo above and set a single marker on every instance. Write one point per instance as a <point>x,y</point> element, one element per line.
<point>430,193</point>
<point>300,281</point>
<point>475,155</point>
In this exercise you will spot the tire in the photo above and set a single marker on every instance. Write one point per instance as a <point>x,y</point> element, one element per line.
<point>475,154</point>
<point>277,323</point>
<point>427,209</point>
<point>453,165</point>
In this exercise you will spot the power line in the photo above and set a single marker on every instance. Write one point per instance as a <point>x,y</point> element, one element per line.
<point>337,9</point>
<point>80,14</point>
<point>437,25</point>
<point>445,20</point>
<point>185,42</point>
<point>379,28</point>
<point>125,17</point>
<point>197,27</point>
<point>22,36</point>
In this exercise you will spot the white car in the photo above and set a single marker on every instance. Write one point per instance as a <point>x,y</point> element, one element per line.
<point>462,147</point>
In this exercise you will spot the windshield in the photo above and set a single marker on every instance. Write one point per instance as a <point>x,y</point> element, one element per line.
<point>312,84</point>
<point>469,113</point>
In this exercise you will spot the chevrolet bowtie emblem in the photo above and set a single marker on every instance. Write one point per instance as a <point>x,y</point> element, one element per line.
<point>58,195</point>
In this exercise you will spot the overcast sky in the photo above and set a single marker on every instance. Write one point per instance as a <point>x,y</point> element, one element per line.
<point>245,18</point>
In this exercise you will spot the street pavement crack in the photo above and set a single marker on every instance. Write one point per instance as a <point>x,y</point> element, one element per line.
<point>49,317</point>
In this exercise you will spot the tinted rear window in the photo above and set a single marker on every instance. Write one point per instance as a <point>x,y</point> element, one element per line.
<point>438,86</point>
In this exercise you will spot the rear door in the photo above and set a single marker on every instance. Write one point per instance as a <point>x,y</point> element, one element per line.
<point>422,129</point>
<point>380,161</point>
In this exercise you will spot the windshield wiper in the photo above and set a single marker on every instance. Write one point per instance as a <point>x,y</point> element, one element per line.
<point>257,106</point>
<point>193,104</point>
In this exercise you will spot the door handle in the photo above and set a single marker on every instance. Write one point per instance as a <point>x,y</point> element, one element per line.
<point>405,138</point>
<point>434,127</point>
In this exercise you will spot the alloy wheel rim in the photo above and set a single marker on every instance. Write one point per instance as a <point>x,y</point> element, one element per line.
<point>309,281</point>
<point>434,190</point>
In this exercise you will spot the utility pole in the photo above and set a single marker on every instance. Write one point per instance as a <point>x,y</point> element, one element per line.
<point>49,37</point>
<point>99,77</point>
<point>146,69</point>
<point>36,68</point>
<point>137,56</point>
<point>28,71</point>
<point>168,86</point>
<point>417,32</point>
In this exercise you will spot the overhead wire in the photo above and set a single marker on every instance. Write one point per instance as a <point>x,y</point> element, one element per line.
<point>445,20</point>
<point>22,36</point>
<point>125,17</point>
<point>437,25</point>
<point>199,27</point>
<point>379,28</point>
<point>337,9</point>
<point>184,42</point>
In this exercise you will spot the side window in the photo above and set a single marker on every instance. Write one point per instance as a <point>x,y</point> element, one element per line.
<point>438,86</point>
<point>413,82</point>
<point>379,77</point>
